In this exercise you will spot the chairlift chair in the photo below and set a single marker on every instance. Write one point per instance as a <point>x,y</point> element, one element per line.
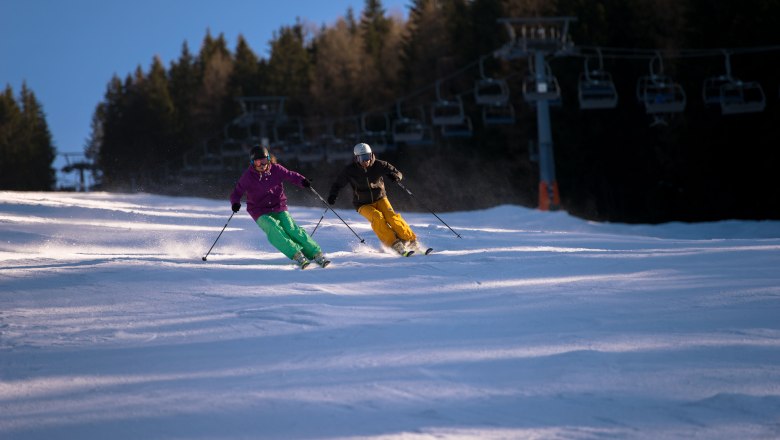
<point>426,139</point>
<point>464,129</point>
<point>498,114</point>
<point>407,129</point>
<point>732,95</point>
<point>447,112</point>
<point>596,90</point>
<point>658,93</point>
<point>742,97</point>
<point>491,91</point>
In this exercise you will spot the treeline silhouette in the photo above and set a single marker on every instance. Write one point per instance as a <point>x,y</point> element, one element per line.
<point>154,124</point>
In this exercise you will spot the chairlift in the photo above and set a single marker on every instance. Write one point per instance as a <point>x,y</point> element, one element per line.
<point>406,129</point>
<point>490,90</point>
<point>498,114</point>
<point>288,136</point>
<point>375,123</point>
<point>464,129</point>
<point>539,89</point>
<point>742,97</point>
<point>659,93</point>
<point>424,141</point>
<point>446,112</point>
<point>732,95</point>
<point>596,90</point>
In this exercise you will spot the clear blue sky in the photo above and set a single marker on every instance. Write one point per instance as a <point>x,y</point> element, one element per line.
<point>68,50</point>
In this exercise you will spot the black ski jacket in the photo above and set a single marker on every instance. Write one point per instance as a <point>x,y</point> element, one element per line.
<point>368,186</point>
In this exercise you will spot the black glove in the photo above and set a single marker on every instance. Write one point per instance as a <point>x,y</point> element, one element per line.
<point>395,177</point>
<point>306,183</point>
<point>332,199</point>
<point>236,207</point>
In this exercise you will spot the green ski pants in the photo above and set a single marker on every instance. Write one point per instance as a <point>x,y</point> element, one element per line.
<point>284,234</point>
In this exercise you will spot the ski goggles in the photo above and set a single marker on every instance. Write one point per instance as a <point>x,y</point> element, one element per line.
<point>365,157</point>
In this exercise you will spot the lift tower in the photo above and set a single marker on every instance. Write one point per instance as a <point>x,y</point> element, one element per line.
<point>536,38</point>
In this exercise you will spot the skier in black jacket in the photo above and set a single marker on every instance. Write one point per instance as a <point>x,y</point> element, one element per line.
<point>365,175</point>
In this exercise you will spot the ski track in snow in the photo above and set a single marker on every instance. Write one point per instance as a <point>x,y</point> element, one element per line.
<point>533,325</point>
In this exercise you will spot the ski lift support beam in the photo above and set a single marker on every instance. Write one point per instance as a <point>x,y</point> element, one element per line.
<point>537,38</point>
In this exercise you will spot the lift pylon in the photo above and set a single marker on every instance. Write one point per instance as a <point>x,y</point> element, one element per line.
<point>536,38</point>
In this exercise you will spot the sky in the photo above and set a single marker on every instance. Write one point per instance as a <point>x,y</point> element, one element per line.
<point>533,325</point>
<point>67,51</point>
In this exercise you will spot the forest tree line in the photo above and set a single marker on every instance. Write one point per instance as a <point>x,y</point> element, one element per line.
<point>610,164</point>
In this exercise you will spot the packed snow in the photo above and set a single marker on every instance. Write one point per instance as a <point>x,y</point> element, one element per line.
<point>532,325</point>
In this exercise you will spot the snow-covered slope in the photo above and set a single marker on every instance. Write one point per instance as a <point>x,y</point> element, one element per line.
<point>533,325</point>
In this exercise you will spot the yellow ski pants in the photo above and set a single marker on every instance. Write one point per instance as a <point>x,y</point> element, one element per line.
<point>387,224</point>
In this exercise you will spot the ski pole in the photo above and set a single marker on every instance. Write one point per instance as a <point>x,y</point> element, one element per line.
<point>429,209</point>
<point>220,235</point>
<point>327,205</point>
<point>318,223</point>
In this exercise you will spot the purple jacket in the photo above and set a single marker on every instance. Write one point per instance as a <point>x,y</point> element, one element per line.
<point>264,193</point>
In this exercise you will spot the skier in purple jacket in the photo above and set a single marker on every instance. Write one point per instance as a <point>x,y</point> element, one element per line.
<point>267,204</point>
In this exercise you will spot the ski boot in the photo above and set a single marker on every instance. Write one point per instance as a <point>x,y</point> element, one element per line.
<point>301,260</point>
<point>399,247</point>
<point>321,260</point>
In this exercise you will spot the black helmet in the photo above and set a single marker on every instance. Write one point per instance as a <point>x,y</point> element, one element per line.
<point>259,152</point>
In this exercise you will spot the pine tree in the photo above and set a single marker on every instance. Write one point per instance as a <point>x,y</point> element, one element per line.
<point>40,154</point>
<point>10,148</point>
<point>26,150</point>
<point>289,68</point>
<point>183,82</point>
<point>215,64</point>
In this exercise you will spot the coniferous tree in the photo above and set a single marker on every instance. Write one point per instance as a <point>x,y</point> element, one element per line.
<point>183,80</point>
<point>110,155</point>
<point>159,116</point>
<point>246,79</point>
<point>424,45</point>
<point>40,151</point>
<point>215,64</point>
<point>26,150</point>
<point>289,68</point>
<point>374,28</point>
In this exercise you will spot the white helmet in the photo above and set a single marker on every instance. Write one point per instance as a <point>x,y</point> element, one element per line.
<point>362,154</point>
<point>361,148</point>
